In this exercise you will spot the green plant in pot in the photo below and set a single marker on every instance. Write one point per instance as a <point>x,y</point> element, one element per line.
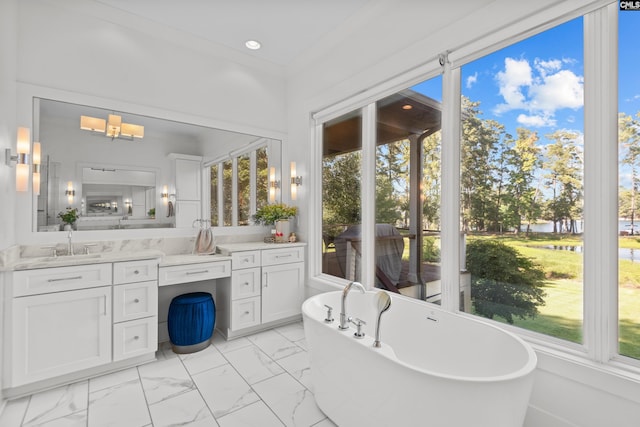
<point>152,212</point>
<point>69,217</point>
<point>276,214</point>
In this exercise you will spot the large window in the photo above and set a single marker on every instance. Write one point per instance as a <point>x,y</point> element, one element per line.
<point>629,185</point>
<point>514,195</point>
<point>407,211</point>
<point>521,182</point>
<point>341,199</point>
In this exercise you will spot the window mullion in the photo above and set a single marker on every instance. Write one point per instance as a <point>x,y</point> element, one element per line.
<point>368,194</point>
<point>234,192</point>
<point>600,184</point>
<point>450,199</point>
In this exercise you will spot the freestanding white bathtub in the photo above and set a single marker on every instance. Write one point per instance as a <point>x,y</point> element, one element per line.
<point>435,368</point>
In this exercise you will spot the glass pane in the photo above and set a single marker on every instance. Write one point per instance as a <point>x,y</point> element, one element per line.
<point>244,189</point>
<point>521,183</point>
<point>629,185</point>
<point>227,196</point>
<point>341,207</point>
<point>214,195</point>
<point>408,191</point>
<point>262,177</point>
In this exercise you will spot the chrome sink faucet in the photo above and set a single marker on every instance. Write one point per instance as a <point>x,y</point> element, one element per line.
<point>344,319</point>
<point>70,244</point>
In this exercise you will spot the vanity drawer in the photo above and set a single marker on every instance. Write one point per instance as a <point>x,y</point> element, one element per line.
<point>245,259</point>
<point>55,279</point>
<point>245,283</point>
<point>245,313</point>
<point>135,271</point>
<point>282,256</point>
<point>135,300</point>
<point>193,272</point>
<point>135,338</point>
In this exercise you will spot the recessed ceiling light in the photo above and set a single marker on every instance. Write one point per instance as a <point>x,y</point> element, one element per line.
<point>407,107</point>
<point>252,44</point>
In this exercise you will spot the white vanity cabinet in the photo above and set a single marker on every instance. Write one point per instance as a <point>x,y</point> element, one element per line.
<point>57,328</point>
<point>266,287</point>
<point>66,323</point>
<point>135,308</point>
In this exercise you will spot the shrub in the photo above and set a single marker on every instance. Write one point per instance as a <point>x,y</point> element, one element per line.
<point>503,282</point>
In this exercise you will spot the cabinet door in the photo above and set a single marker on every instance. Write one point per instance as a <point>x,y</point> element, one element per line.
<point>282,291</point>
<point>134,301</point>
<point>187,211</point>
<point>59,333</point>
<point>188,179</point>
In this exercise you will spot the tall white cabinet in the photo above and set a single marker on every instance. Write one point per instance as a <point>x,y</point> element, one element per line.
<point>188,188</point>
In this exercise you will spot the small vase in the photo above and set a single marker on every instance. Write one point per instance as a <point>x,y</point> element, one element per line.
<point>282,230</point>
<point>67,227</point>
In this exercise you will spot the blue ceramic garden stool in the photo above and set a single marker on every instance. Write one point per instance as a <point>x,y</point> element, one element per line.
<point>191,320</point>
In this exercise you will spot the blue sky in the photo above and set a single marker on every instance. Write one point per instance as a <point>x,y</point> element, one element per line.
<point>538,83</point>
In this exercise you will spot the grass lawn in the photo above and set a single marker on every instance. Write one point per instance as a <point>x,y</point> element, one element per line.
<point>561,316</point>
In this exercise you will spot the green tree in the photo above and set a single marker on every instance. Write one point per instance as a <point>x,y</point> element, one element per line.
<point>341,177</point>
<point>629,140</point>
<point>503,282</point>
<point>563,164</point>
<point>524,161</point>
<point>431,187</point>
<point>482,172</point>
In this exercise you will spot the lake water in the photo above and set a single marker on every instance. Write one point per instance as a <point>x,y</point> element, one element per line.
<point>547,227</point>
<point>623,253</point>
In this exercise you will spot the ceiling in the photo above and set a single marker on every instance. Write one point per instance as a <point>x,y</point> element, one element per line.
<point>286,28</point>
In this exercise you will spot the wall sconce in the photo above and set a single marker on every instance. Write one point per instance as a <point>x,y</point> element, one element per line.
<point>165,194</point>
<point>70,192</point>
<point>273,184</point>
<point>295,181</point>
<point>36,167</point>
<point>23,147</point>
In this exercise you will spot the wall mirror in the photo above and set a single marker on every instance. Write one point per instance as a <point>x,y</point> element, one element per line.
<point>124,179</point>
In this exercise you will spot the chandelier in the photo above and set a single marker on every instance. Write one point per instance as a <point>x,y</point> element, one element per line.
<point>112,127</point>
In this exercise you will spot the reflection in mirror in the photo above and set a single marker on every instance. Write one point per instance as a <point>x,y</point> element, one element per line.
<point>101,167</point>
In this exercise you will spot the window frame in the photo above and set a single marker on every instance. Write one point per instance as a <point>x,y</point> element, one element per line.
<point>233,157</point>
<point>600,303</point>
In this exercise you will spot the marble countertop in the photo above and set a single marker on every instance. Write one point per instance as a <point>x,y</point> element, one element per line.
<point>96,258</point>
<point>131,253</point>
<point>229,248</point>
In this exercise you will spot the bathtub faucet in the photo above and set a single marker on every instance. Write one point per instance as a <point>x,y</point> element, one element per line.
<point>344,319</point>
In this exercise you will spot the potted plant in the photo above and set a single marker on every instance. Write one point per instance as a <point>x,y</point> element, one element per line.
<point>69,217</point>
<point>276,214</point>
<point>152,212</point>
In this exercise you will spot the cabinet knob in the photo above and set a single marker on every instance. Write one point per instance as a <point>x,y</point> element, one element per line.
<point>136,337</point>
<point>246,312</point>
<point>136,272</point>
<point>136,300</point>
<point>246,283</point>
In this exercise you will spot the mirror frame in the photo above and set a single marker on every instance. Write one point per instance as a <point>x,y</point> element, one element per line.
<point>26,225</point>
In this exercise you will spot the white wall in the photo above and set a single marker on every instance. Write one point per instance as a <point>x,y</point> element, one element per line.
<point>398,37</point>
<point>8,49</point>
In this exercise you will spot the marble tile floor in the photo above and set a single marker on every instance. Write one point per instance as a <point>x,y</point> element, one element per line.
<point>262,380</point>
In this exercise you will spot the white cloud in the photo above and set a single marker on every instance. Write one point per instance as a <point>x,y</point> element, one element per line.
<point>471,80</point>
<point>516,74</point>
<point>536,121</point>
<point>540,90</point>
<point>560,90</point>
<point>546,67</point>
